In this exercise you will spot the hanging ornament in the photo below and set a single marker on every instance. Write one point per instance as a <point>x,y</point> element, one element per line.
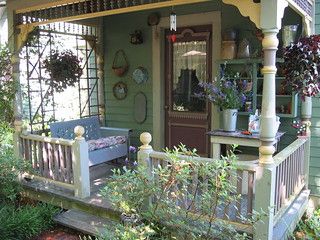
<point>173,21</point>
<point>173,26</point>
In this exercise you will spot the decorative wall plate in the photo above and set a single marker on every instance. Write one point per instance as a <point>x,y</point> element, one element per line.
<point>140,107</point>
<point>140,75</point>
<point>120,90</point>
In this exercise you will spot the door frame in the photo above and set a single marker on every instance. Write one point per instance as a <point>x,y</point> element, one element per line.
<point>190,33</point>
<point>158,67</point>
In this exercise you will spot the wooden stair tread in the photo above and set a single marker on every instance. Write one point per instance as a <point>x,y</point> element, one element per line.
<point>83,222</point>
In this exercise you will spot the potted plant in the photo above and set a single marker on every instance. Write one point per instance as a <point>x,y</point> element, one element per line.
<point>228,95</point>
<point>64,69</point>
<point>302,70</point>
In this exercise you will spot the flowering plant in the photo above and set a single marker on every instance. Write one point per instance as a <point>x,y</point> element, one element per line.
<point>132,157</point>
<point>300,126</point>
<point>226,94</point>
<point>302,66</point>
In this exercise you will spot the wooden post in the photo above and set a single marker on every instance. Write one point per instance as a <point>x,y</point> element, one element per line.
<point>306,114</point>
<point>271,14</point>
<point>265,184</point>
<point>144,157</point>
<point>145,150</point>
<point>264,202</point>
<point>16,138</point>
<point>80,164</point>
<point>17,105</point>
<point>268,111</point>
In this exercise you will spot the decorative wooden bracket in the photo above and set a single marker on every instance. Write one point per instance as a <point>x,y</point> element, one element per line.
<point>23,34</point>
<point>247,8</point>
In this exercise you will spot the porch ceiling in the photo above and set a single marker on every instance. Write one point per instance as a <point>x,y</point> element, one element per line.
<point>68,10</point>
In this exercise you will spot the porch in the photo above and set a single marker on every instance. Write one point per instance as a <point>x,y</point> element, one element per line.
<point>60,172</point>
<point>55,182</point>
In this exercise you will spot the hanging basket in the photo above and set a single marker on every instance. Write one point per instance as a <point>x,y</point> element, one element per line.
<point>119,68</point>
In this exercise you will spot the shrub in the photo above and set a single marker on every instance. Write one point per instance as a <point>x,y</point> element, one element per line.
<point>7,85</point>
<point>309,228</point>
<point>25,221</point>
<point>179,210</point>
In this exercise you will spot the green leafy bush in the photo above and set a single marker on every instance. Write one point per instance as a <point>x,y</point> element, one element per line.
<point>309,228</point>
<point>26,221</point>
<point>7,85</point>
<point>165,205</point>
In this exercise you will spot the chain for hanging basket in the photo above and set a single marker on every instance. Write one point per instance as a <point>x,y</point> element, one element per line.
<point>118,68</point>
<point>64,69</point>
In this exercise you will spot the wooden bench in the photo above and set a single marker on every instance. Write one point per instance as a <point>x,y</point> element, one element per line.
<point>94,131</point>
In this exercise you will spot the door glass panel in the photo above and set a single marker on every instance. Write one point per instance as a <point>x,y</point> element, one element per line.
<point>189,68</point>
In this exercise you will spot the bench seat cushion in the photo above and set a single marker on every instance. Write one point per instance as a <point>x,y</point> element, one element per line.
<point>105,142</point>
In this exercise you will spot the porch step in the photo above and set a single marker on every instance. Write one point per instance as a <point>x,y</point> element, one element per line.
<point>84,222</point>
<point>286,225</point>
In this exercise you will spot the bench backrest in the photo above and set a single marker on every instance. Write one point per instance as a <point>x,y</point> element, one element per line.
<point>66,129</point>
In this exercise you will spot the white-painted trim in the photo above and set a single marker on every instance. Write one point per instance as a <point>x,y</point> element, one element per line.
<point>213,18</point>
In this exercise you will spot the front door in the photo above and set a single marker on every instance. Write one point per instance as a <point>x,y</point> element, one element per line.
<point>188,62</point>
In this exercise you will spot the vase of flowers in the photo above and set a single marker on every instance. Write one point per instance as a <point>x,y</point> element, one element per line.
<point>302,70</point>
<point>228,95</point>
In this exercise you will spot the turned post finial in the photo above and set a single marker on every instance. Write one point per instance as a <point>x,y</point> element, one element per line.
<point>79,131</point>
<point>145,138</point>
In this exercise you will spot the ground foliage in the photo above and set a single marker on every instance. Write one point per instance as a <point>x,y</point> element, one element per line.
<point>17,220</point>
<point>179,210</point>
<point>309,227</point>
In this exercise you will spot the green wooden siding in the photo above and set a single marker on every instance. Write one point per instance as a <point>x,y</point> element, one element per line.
<point>117,29</point>
<point>314,175</point>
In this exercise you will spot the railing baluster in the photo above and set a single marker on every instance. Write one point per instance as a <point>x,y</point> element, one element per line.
<point>250,192</point>
<point>239,191</point>
<point>56,163</point>
<point>40,157</point>
<point>34,153</point>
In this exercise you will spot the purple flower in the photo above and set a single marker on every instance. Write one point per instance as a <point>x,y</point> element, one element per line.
<point>132,149</point>
<point>135,163</point>
<point>228,84</point>
<point>243,99</point>
<point>126,161</point>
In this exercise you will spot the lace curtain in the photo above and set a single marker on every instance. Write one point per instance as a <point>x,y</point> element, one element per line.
<point>189,68</point>
<point>192,56</point>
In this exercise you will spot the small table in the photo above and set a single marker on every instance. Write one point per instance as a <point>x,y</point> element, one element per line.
<point>219,137</point>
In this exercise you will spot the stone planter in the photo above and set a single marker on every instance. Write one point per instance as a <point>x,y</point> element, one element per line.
<point>229,118</point>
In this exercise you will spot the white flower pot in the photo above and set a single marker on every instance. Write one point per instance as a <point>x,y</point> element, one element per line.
<point>306,108</point>
<point>229,117</point>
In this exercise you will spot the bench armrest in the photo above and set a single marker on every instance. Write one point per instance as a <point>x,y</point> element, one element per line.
<point>110,131</point>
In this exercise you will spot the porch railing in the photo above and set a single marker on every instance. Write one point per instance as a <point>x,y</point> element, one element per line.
<point>280,182</point>
<point>290,175</point>
<point>244,179</point>
<point>64,163</point>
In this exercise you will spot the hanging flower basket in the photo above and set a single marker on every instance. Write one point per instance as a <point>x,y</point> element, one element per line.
<point>120,66</point>
<point>302,66</point>
<point>64,69</point>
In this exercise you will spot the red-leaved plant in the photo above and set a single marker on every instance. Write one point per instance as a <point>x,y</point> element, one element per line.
<point>64,69</point>
<point>302,66</point>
